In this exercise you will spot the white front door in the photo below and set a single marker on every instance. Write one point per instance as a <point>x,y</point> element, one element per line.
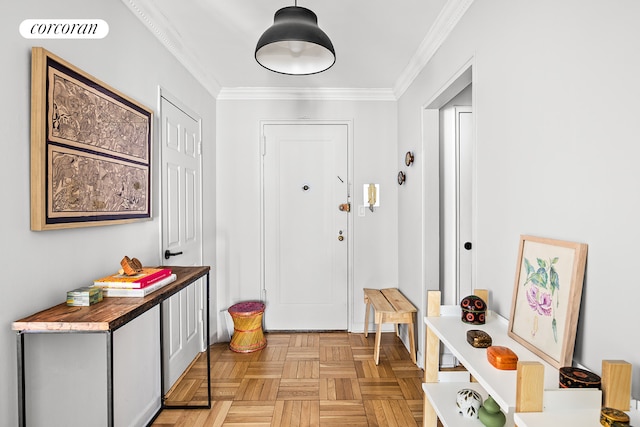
<point>181,234</point>
<point>305,180</point>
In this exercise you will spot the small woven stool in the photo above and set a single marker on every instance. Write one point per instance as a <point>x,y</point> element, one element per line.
<point>247,327</point>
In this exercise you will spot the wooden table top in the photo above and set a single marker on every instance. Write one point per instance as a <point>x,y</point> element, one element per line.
<point>109,314</point>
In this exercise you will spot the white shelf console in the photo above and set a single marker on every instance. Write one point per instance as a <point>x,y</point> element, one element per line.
<point>529,396</point>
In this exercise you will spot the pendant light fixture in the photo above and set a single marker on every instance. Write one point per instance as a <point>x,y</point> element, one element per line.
<point>294,44</point>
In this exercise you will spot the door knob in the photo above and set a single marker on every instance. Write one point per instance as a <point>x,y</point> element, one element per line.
<point>168,254</point>
<point>467,245</point>
<point>341,238</point>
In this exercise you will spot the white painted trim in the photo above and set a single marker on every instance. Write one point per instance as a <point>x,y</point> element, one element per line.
<point>297,93</point>
<point>458,81</point>
<point>446,21</point>
<point>164,93</point>
<point>171,40</point>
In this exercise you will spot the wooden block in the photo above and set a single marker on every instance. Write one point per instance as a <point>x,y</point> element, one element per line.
<point>616,384</point>
<point>484,294</point>
<point>433,303</point>
<point>429,416</point>
<point>529,387</point>
<point>432,343</point>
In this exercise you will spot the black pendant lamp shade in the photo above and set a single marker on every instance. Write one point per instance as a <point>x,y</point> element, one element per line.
<point>294,44</point>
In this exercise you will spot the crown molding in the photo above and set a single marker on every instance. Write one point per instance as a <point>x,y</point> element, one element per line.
<point>295,93</point>
<point>446,21</point>
<point>171,40</point>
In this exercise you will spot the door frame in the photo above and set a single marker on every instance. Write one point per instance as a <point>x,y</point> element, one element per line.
<point>430,273</point>
<point>261,148</point>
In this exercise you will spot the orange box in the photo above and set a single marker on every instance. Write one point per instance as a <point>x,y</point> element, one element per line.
<point>502,357</point>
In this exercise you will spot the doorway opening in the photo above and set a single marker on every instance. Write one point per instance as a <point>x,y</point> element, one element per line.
<point>449,171</point>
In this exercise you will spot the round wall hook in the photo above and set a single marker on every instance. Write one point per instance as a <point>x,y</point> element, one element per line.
<point>401,178</point>
<point>408,158</point>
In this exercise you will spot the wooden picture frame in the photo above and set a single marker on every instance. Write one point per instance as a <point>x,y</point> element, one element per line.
<point>546,297</point>
<point>90,149</point>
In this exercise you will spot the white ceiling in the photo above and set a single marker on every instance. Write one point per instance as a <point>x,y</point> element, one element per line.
<point>380,44</point>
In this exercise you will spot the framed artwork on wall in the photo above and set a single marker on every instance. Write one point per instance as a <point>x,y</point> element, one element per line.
<point>546,297</point>
<point>90,149</point>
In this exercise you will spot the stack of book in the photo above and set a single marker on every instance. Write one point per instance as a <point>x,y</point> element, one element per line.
<point>84,296</point>
<point>138,285</point>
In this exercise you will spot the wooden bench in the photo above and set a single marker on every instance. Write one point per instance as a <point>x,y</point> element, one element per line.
<point>389,306</point>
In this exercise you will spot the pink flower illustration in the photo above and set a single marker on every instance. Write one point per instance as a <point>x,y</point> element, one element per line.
<point>540,303</point>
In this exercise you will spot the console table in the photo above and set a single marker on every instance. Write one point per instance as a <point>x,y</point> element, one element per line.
<point>106,317</point>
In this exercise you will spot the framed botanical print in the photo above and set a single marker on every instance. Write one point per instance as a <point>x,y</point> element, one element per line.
<point>546,297</point>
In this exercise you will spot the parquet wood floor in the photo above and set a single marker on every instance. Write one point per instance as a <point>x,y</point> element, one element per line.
<point>302,379</point>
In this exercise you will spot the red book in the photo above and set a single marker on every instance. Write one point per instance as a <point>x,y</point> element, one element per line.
<point>147,277</point>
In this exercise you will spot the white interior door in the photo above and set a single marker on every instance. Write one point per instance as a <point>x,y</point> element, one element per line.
<point>456,219</point>
<point>305,234</point>
<point>456,203</point>
<point>181,234</point>
<point>464,157</point>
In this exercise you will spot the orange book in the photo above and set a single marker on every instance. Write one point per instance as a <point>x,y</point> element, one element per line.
<point>148,276</point>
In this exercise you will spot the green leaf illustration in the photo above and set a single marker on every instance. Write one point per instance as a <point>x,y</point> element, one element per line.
<point>542,263</point>
<point>555,279</point>
<point>528,267</point>
<point>555,260</point>
<point>554,325</point>
<point>540,278</point>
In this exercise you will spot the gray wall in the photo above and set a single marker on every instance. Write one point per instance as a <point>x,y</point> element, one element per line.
<point>555,90</point>
<point>39,267</point>
<point>554,87</point>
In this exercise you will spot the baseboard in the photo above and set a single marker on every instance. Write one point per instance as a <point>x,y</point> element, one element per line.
<point>148,414</point>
